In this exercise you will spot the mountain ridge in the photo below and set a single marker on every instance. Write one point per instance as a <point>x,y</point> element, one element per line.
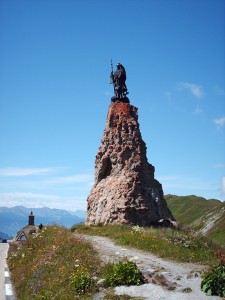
<point>14,218</point>
<point>206,217</point>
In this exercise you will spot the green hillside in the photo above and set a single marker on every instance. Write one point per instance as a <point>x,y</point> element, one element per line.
<point>205,216</point>
<point>186,209</point>
<point>212,224</point>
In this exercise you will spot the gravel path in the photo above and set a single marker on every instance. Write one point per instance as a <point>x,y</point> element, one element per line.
<point>182,280</point>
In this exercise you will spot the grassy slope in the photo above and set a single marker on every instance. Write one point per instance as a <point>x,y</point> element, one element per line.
<point>44,267</point>
<point>186,209</point>
<point>197,211</point>
<point>180,246</point>
<point>51,264</point>
<point>217,232</point>
<point>55,264</point>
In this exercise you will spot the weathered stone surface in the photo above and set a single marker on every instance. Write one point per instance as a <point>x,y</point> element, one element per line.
<point>125,191</point>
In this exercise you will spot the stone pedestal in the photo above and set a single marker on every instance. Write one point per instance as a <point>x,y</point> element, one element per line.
<point>125,190</point>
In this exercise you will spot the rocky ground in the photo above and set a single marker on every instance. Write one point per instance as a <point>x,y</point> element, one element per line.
<point>167,280</point>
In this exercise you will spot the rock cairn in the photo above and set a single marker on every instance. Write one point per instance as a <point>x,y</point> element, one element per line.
<point>125,190</point>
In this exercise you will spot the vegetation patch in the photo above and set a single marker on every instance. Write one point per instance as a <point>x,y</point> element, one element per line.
<point>82,282</point>
<point>56,264</point>
<point>186,209</point>
<point>53,265</point>
<point>213,282</point>
<point>178,245</point>
<point>122,273</point>
<point>197,212</point>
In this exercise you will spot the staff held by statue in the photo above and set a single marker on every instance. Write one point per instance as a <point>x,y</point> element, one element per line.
<point>118,79</point>
<point>111,76</point>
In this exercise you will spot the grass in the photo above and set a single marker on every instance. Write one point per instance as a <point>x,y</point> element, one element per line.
<point>181,246</point>
<point>54,264</point>
<point>218,236</point>
<point>57,265</point>
<point>46,265</point>
<point>186,209</point>
<point>216,232</point>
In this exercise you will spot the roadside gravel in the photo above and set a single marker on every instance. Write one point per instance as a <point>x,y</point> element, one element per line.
<point>182,280</point>
<point>3,254</point>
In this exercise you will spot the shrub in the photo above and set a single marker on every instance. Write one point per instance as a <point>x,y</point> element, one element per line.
<point>213,282</point>
<point>122,273</point>
<point>81,282</point>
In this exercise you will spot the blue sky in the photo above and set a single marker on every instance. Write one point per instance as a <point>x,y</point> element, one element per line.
<point>55,93</point>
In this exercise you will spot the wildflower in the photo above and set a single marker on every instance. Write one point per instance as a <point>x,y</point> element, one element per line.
<point>138,229</point>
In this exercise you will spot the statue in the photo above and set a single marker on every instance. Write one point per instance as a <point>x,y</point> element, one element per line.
<point>118,79</point>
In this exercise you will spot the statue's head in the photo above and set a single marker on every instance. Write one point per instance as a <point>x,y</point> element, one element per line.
<point>118,65</point>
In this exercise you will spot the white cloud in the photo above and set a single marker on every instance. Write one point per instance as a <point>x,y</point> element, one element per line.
<point>33,200</point>
<point>17,195</point>
<point>195,89</point>
<point>219,122</point>
<point>219,166</point>
<point>189,184</point>
<point>26,171</point>
<point>71,179</point>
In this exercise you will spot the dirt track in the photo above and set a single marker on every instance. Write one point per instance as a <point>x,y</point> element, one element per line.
<point>182,281</point>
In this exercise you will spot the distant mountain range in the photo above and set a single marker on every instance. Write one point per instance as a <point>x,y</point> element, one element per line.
<point>15,218</point>
<point>207,217</point>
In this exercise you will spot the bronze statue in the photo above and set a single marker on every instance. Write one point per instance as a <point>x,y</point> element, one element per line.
<point>118,79</point>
